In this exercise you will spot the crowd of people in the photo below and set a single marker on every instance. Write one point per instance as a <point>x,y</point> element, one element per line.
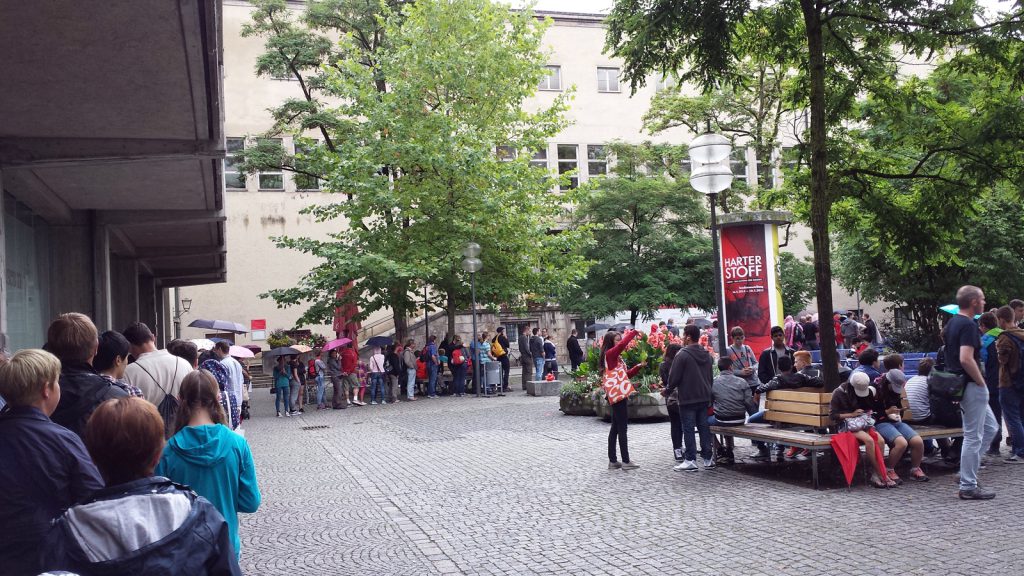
<point>981,357</point>
<point>122,458</point>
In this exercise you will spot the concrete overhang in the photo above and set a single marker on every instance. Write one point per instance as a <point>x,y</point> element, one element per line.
<point>115,109</point>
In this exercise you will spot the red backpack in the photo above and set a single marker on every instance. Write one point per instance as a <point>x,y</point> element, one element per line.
<point>311,370</point>
<point>457,356</point>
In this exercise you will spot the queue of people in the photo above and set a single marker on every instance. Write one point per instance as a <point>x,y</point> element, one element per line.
<point>92,484</point>
<point>985,358</point>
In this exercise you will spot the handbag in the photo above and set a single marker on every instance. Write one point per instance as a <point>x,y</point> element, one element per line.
<point>947,385</point>
<point>616,384</point>
<point>858,423</point>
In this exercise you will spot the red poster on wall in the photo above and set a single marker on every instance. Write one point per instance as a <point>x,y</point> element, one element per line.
<point>745,282</point>
<point>260,324</point>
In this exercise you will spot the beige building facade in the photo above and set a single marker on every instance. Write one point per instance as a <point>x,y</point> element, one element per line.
<point>261,206</point>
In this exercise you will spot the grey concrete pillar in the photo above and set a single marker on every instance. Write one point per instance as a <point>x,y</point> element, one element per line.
<point>102,312</point>
<point>3,271</point>
<point>148,311</point>
<point>72,267</point>
<point>124,290</point>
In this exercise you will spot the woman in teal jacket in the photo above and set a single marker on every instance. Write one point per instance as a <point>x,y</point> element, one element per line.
<point>208,456</point>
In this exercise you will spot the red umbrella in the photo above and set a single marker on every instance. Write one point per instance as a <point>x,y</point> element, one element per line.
<point>847,450</point>
<point>336,344</point>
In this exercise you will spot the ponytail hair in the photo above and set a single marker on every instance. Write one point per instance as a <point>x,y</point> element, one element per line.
<point>199,391</point>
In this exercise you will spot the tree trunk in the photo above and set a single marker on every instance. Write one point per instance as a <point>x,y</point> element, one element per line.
<point>632,316</point>
<point>820,201</point>
<point>450,309</point>
<point>401,324</point>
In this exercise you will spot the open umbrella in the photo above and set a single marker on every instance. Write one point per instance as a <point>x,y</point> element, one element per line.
<point>336,344</point>
<point>302,348</point>
<point>254,348</point>
<point>240,352</point>
<point>622,326</point>
<point>951,309</point>
<point>203,343</point>
<point>596,327</point>
<point>380,341</point>
<point>701,322</point>
<point>281,351</point>
<point>222,325</point>
<point>215,339</point>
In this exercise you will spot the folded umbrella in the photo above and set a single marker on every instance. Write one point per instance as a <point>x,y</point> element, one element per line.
<point>847,450</point>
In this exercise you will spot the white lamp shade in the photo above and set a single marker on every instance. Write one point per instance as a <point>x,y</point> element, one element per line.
<point>711,178</point>
<point>472,265</point>
<point>710,148</point>
<point>471,250</point>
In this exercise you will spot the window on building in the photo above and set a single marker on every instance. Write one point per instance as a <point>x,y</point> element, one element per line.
<point>738,163</point>
<point>505,153</point>
<point>305,181</point>
<point>597,160</point>
<point>553,80</point>
<point>568,161</point>
<point>665,82</point>
<point>540,159</point>
<point>272,179</point>
<point>607,79</point>
<point>233,178</point>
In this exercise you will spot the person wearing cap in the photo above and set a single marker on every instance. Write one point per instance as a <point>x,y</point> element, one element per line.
<point>855,398</point>
<point>897,433</point>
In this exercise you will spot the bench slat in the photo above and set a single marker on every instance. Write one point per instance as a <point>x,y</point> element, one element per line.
<point>767,433</point>
<point>798,407</point>
<point>806,395</point>
<point>801,419</point>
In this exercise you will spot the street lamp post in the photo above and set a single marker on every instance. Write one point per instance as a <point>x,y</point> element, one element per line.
<point>185,305</point>
<point>472,264</point>
<point>710,174</point>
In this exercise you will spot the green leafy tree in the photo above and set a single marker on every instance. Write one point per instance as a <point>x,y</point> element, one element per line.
<point>796,279</point>
<point>434,161</point>
<point>651,247</point>
<point>850,49</point>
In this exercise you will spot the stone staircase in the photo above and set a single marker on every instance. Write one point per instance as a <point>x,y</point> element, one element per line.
<point>260,379</point>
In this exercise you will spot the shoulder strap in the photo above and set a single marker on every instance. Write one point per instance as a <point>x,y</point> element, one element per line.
<point>155,381</point>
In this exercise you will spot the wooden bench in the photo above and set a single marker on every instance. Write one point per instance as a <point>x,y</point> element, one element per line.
<point>813,441</point>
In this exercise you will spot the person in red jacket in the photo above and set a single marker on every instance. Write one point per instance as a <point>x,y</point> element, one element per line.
<point>611,350</point>
<point>349,378</point>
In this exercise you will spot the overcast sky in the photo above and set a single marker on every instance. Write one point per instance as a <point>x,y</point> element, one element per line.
<point>602,6</point>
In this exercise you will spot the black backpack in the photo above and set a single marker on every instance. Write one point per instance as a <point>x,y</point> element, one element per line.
<point>168,407</point>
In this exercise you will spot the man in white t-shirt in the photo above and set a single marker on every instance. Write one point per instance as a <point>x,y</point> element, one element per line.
<point>222,350</point>
<point>155,372</point>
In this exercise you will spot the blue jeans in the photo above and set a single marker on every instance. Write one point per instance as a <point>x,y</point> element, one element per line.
<point>979,430</point>
<point>431,379</point>
<point>320,389</point>
<point>377,392</point>
<point>695,415</point>
<point>538,368</point>
<point>410,386</point>
<point>1010,401</point>
<point>892,430</point>
<point>282,393</point>
<point>755,418</point>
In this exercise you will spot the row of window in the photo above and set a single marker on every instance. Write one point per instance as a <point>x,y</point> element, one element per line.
<point>568,159</point>
<point>607,80</point>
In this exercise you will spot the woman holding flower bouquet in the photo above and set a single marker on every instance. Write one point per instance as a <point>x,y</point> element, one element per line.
<point>615,380</point>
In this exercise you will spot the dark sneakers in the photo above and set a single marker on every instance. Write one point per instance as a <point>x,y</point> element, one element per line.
<point>978,493</point>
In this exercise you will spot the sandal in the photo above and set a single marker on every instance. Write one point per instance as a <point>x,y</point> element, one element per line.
<point>892,476</point>
<point>918,475</point>
<point>877,482</point>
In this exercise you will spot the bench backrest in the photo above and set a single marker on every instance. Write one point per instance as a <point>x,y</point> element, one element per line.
<point>808,407</point>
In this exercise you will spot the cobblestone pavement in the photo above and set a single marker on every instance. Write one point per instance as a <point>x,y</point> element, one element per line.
<point>511,486</point>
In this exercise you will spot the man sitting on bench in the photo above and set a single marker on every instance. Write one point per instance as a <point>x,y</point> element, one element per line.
<point>787,379</point>
<point>732,401</point>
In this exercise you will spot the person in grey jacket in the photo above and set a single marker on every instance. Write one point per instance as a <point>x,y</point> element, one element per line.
<point>732,399</point>
<point>338,402</point>
<point>690,379</point>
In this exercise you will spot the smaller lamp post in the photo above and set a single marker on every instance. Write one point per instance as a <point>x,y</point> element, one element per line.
<point>710,173</point>
<point>472,264</point>
<point>181,307</point>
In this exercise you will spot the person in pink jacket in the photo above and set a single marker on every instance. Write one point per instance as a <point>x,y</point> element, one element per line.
<point>611,350</point>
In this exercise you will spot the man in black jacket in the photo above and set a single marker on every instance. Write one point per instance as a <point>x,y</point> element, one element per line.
<point>768,363</point>
<point>73,338</point>
<point>537,352</point>
<point>506,366</point>
<point>690,378</point>
<point>576,355</point>
<point>525,358</point>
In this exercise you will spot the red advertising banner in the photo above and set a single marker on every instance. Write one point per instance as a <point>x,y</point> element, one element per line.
<point>260,324</point>
<point>745,283</point>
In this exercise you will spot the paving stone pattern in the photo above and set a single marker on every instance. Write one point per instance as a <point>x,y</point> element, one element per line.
<point>511,486</point>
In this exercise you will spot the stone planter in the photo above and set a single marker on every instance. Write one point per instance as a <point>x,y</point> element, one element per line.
<point>649,406</point>
<point>576,405</point>
<point>543,387</point>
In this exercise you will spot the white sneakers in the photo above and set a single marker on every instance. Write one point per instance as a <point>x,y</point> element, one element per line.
<point>686,466</point>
